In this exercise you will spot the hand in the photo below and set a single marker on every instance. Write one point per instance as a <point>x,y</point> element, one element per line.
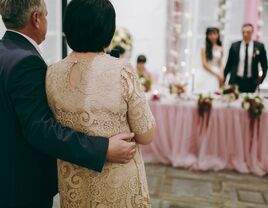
<point>221,79</point>
<point>120,150</point>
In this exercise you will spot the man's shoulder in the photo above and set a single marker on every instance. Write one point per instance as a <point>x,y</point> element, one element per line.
<point>12,48</point>
<point>237,43</point>
<point>258,44</point>
<point>12,53</point>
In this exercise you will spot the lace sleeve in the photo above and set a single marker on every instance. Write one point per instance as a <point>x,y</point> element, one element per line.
<point>140,117</point>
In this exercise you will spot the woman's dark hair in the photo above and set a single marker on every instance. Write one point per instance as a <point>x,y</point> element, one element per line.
<point>141,59</point>
<point>120,49</point>
<point>209,45</point>
<point>89,25</point>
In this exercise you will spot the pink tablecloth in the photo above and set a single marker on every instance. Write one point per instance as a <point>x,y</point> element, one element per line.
<point>224,141</point>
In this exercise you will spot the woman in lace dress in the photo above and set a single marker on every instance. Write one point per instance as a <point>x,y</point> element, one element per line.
<point>212,55</point>
<point>94,93</point>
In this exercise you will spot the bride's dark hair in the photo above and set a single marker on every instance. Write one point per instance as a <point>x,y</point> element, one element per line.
<point>209,45</point>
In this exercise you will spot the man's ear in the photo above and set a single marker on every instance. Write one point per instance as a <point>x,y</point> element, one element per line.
<point>35,20</point>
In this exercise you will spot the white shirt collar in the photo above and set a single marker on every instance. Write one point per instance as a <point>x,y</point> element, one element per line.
<point>29,39</point>
<point>250,43</point>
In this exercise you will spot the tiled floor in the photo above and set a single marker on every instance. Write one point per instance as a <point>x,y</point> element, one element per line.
<point>177,188</point>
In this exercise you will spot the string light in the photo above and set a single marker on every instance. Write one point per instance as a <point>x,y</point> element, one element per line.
<point>189,34</point>
<point>183,64</point>
<point>224,6</point>
<point>186,51</point>
<point>260,22</point>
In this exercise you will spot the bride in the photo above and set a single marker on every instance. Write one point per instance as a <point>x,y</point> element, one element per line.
<point>212,55</point>
<point>96,94</point>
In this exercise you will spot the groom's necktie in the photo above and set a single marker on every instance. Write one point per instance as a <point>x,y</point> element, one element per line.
<point>246,62</point>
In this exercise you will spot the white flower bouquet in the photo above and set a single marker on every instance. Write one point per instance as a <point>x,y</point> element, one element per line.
<point>123,38</point>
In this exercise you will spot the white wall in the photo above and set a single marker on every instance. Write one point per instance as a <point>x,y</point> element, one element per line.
<point>2,27</point>
<point>146,20</point>
<point>264,37</point>
<point>52,47</point>
<point>236,16</point>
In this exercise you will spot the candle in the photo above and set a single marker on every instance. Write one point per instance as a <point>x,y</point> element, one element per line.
<point>156,92</point>
<point>193,80</point>
<point>163,75</point>
<point>156,95</point>
<point>164,69</point>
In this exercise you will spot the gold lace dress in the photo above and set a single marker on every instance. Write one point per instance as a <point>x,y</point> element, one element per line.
<point>108,100</point>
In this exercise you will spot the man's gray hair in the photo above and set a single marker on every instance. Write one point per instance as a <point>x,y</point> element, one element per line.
<point>17,13</point>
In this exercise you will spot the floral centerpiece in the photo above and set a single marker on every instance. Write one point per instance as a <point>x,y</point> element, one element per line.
<point>123,38</point>
<point>178,89</point>
<point>230,93</point>
<point>204,104</point>
<point>146,83</point>
<point>254,105</point>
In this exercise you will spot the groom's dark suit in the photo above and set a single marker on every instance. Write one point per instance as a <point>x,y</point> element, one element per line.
<point>30,138</point>
<point>260,58</point>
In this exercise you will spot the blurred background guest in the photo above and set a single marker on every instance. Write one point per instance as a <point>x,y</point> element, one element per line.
<point>120,50</point>
<point>144,76</point>
<point>212,55</point>
<point>141,68</point>
<point>244,60</point>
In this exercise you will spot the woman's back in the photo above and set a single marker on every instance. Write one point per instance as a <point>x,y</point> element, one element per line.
<point>95,102</point>
<point>100,96</point>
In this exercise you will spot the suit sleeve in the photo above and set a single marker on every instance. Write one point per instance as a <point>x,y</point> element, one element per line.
<point>263,60</point>
<point>229,63</point>
<point>26,85</point>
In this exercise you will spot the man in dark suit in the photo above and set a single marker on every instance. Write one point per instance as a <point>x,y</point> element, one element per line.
<point>247,62</point>
<point>30,138</point>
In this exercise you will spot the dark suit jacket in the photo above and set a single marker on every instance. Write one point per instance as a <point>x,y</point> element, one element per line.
<point>30,138</point>
<point>234,58</point>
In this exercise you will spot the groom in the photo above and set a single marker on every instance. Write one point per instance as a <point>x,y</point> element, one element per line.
<point>245,58</point>
<point>30,138</point>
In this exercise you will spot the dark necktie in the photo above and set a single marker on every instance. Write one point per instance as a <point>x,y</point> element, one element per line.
<point>246,63</point>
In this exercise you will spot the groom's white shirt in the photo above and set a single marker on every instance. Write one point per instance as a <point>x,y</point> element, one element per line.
<point>241,66</point>
<point>29,39</point>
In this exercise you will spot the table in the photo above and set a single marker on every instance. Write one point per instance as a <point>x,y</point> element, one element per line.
<point>217,142</point>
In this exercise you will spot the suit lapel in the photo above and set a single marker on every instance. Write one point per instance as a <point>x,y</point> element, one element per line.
<point>254,63</point>
<point>237,55</point>
<point>238,50</point>
<point>254,49</point>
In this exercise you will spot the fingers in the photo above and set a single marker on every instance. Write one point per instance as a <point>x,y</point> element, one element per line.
<point>120,150</point>
<point>125,136</point>
<point>129,156</point>
<point>132,152</point>
<point>132,145</point>
<point>125,161</point>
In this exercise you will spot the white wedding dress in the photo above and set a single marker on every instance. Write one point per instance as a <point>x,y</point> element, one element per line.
<point>208,83</point>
